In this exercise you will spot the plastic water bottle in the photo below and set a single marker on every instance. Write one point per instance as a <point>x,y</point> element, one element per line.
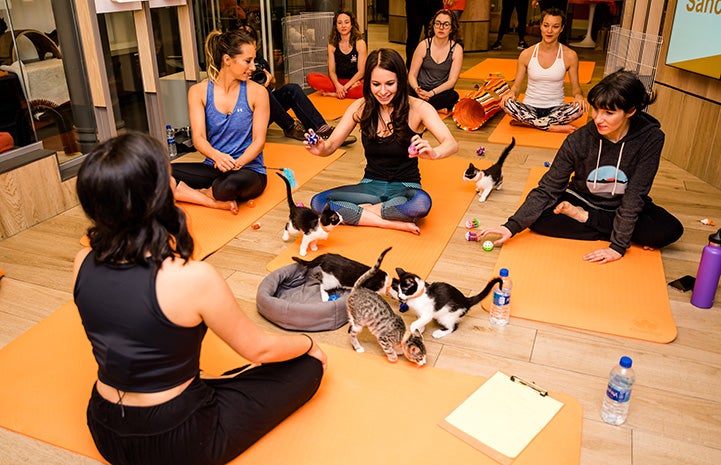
<point>170,134</point>
<point>709,272</point>
<point>501,305</point>
<point>618,392</point>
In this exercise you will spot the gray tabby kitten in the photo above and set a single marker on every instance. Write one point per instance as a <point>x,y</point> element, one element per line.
<point>367,308</point>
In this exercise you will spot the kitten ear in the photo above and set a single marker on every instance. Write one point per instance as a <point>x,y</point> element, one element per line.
<point>417,333</point>
<point>326,207</point>
<point>400,272</point>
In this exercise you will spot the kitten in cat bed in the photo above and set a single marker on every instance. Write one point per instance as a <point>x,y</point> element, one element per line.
<point>490,178</point>
<point>305,221</point>
<point>435,301</point>
<point>338,272</point>
<point>368,309</point>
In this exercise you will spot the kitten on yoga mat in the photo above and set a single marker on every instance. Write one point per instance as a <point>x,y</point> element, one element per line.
<point>367,308</point>
<point>490,178</point>
<point>305,221</point>
<point>435,301</point>
<point>338,272</point>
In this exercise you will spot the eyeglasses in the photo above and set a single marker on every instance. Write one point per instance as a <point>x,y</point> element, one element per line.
<point>441,25</point>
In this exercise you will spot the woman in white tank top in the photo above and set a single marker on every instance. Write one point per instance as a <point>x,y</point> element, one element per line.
<point>546,64</point>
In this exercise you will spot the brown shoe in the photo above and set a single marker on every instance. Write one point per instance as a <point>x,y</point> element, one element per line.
<point>296,132</point>
<point>326,134</point>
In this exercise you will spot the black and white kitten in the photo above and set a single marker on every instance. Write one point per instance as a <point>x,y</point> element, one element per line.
<point>338,271</point>
<point>367,308</point>
<point>435,301</point>
<point>490,178</point>
<point>307,222</point>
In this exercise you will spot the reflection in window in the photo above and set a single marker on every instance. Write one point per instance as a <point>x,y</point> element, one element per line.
<point>36,103</point>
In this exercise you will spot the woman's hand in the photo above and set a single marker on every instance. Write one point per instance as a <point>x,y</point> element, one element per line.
<point>601,256</point>
<point>421,148</point>
<point>581,102</point>
<point>506,97</point>
<point>424,94</point>
<point>340,91</point>
<point>316,149</point>
<point>502,231</point>
<point>224,162</point>
<point>317,352</point>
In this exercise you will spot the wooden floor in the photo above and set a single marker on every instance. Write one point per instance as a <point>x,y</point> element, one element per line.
<point>675,415</point>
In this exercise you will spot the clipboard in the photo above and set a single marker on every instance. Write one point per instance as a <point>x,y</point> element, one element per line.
<point>502,416</point>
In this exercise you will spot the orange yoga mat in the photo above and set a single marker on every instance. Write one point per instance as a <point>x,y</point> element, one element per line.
<point>506,67</point>
<point>442,179</point>
<point>531,137</point>
<point>212,229</point>
<point>367,410</point>
<point>553,284</point>
<point>330,107</point>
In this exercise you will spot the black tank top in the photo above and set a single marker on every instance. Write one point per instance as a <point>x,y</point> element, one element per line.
<point>136,347</point>
<point>346,65</point>
<point>388,159</point>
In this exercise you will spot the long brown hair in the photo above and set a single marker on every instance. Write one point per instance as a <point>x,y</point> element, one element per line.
<point>355,33</point>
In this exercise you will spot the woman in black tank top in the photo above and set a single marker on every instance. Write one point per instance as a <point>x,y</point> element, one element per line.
<point>391,122</point>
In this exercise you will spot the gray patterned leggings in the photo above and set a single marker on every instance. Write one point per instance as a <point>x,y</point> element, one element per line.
<point>543,118</point>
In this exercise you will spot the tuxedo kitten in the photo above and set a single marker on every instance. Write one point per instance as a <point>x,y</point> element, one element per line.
<point>490,178</point>
<point>338,271</point>
<point>367,308</point>
<point>307,222</point>
<point>435,301</point>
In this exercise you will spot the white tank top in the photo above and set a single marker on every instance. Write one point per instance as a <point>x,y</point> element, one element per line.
<point>545,85</point>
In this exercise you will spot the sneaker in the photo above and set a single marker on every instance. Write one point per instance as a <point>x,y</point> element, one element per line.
<point>326,134</point>
<point>497,45</point>
<point>522,45</point>
<point>297,131</point>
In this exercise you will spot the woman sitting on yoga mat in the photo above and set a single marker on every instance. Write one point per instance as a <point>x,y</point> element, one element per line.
<point>546,64</point>
<point>390,193</point>
<point>437,63</point>
<point>346,60</point>
<point>146,306</point>
<point>611,163</point>
<point>229,119</point>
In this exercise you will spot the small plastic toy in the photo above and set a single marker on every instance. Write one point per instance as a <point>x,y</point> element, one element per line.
<point>251,203</point>
<point>474,223</point>
<point>412,149</point>
<point>311,137</point>
<point>255,226</point>
<point>481,151</point>
<point>403,307</point>
<point>333,297</point>
<point>546,164</point>
<point>472,236</point>
<point>300,204</point>
<point>707,222</point>
<point>487,246</point>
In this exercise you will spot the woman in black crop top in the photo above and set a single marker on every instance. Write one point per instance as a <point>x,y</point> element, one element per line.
<point>145,306</point>
<point>346,60</point>
<point>390,193</point>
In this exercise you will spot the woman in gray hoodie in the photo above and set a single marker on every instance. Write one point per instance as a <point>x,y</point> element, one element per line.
<point>597,187</point>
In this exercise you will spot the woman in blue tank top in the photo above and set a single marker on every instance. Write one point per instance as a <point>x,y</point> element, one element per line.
<point>228,116</point>
<point>390,194</point>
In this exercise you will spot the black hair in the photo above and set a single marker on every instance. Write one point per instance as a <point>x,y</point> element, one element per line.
<point>124,188</point>
<point>388,59</point>
<point>621,90</point>
<point>553,11</point>
<point>453,20</point>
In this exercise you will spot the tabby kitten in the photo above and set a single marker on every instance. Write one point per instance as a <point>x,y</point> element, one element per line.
<point>304,220</point>
<point>367,308</point>
<point>490,178</point>
<point>435,301</point>
<point>338,271</point>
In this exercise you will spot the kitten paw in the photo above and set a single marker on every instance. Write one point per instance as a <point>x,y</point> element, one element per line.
<point>439,333</point>
<point>303,253</point>
<point>313,247</point>
<point>359,349</point>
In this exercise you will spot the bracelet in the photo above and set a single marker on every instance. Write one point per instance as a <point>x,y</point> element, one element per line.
<point>312,343</point>
<point>434,92</point>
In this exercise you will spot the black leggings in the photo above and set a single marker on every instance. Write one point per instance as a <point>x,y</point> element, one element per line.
<point>240,185</point>
<point>655,226</point>
<point>211,422</point>
<point>445,100</point>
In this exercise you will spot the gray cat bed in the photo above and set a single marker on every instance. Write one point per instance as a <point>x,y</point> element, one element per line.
<point>290,297</point>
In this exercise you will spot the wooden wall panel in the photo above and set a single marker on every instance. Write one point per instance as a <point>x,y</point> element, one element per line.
<point>31,194</point>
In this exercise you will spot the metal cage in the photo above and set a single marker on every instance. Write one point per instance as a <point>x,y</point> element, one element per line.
<point>305,39</point>
<point>633,51</point>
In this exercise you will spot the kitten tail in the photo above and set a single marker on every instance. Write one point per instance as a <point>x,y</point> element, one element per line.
<point>486,290</point>
<point>365,276</point>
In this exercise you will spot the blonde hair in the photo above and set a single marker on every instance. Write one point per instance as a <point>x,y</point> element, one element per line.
<point>220,43</point>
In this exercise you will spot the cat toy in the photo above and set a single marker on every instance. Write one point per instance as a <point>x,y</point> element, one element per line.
<point>474,223</point>
<point>412,149</point>
<point>472,236</point>
<point>478,106</point>
<point>481,151</point>
<point>311,137</point>
<point>289,175</point>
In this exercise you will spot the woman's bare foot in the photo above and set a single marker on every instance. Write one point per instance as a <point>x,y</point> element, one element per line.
<point>371,216</point>
<point>564,128</point>
<point>646,247</point>
<point>572,211</point>
<point>328,94</point>
<point>231,205</point>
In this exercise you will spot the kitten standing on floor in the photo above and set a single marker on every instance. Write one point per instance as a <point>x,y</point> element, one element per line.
<point>303,220</point>
<point>490,178</point>
<point>338,271</point>
<point>367,308</point>
<point>435,301</point>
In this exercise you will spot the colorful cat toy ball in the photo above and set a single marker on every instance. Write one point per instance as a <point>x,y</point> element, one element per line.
<point>481,151</point>
<point>312,138</point>
<point>487,246</point>
<point>472,236</point>
<point>474,223</point>
<point>546,164</point>
<point>412,149</point>
<point>255,226</point>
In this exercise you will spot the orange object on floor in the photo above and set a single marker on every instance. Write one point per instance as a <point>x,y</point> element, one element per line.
<point>48,373</point>
<point>553,284</point>
<point>442,179</point>
<point>531,137</point>
<point>506,67</point>
<point>331,108</point>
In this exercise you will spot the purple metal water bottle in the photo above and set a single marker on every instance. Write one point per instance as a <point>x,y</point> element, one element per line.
<point>709,272</point>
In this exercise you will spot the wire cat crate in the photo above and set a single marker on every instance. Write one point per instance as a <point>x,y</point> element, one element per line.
<point>633,51</point>
<point>305,39</point>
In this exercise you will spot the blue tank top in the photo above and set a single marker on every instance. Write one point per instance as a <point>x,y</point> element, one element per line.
<point>231,133</point>
<point>135,345</point>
